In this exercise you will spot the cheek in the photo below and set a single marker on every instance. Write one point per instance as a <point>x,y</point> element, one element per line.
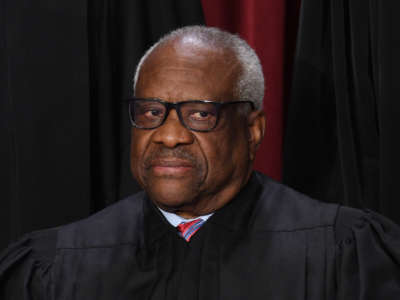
<point>226,153</point>
<point>139,142</point>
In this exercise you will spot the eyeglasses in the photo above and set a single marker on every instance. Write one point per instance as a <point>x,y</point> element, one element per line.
<point>196,115</point>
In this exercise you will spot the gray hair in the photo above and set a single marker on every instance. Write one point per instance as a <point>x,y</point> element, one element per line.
<point>250,84</point>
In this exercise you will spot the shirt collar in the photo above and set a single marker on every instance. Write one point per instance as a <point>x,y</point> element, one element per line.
<point>175,220</point>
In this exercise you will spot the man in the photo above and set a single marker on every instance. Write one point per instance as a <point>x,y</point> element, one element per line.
<point>206,226</point>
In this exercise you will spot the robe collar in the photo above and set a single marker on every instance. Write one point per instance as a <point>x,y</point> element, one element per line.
<point>234,215</point>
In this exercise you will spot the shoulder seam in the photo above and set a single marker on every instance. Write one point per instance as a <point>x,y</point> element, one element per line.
<point>97,247</point>
<point>274,230</point>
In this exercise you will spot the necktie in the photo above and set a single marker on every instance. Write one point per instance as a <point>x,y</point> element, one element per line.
<point>188,229</point>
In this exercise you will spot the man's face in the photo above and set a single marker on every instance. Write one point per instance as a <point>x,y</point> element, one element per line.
<point>191,173</point>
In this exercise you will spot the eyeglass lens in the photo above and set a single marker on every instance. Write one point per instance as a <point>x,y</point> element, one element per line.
<point>195,115</point>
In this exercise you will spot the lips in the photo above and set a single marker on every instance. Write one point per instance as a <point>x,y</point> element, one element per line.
<point>171,167</point>
<point>171,163</point>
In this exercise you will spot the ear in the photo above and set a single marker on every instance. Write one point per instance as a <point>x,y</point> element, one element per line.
<point>256,129</point>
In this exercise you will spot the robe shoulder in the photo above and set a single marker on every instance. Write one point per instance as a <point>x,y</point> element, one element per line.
<point>37,245</point>
<point>366,245</point>
<point>283,208</point>
<point>118,224</point>
<point>280,208</point>
<point>350,221</point>
<point>26,265</point>
<point>367,255</point>
<point>114,225</point>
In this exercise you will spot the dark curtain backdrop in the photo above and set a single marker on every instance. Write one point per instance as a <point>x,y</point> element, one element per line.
<point>64,67</point>
<point>342,140</point>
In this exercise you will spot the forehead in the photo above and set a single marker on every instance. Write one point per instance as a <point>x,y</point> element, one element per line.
<point>181,70</point>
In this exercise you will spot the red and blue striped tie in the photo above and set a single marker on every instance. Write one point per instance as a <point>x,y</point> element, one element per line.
<point>188,229</point>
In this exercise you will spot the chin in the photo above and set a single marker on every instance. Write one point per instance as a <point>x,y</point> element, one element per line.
<point>172,193</point>
<point>171,203</point>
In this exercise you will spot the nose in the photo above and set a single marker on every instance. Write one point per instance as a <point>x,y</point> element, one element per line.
<point>172,133</point>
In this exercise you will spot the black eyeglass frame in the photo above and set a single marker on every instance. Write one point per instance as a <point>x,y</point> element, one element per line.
<point>177,106</point>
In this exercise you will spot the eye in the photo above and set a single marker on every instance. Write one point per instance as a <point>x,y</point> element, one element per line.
<point>152,113</point>
<point>201,115</point>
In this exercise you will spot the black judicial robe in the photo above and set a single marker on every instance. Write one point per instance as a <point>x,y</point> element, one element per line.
<point>269,242</point>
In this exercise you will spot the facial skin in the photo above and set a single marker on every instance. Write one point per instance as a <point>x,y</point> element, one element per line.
<point>186,172</point>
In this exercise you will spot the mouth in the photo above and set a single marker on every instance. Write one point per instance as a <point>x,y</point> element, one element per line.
<point>171,167</point>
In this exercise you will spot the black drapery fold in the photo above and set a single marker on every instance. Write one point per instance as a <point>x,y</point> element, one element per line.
<point>44,125</point>
<point>341,141</point>
<point>65,68</point>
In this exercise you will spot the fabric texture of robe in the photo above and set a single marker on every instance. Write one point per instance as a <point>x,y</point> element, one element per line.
<point>269,242</point>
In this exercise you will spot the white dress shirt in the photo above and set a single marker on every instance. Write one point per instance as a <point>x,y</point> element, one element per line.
<point>175,220</point>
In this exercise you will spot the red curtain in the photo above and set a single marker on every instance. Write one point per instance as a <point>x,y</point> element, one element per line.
<point>262,23</point>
